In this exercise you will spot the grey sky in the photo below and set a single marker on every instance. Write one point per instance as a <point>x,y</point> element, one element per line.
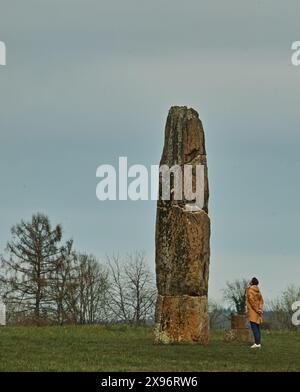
<point>88,81</point>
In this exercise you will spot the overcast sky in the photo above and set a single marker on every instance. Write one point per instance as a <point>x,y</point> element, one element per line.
<point>89,81</point>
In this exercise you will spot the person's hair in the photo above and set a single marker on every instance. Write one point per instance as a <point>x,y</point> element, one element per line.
<point>254,281</point>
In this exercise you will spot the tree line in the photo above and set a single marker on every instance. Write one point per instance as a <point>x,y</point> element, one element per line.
<point>44,280</point>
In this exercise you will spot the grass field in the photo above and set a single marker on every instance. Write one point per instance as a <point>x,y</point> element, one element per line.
<point>123,348</point>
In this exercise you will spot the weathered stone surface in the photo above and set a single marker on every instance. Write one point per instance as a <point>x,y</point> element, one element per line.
<point>182,240</point>
<point>181,319</point>
<point>238,321</point>
<point>184,144</point>
<point>182,251</point>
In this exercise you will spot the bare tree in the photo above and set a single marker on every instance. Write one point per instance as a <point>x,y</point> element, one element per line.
<point>59,282</point>
<point>140,286</point>
<point>33,254</point>
<point>218,316</point>
<point>235,294</point>
<point>117,297</point>
<point>86,288</point>
<point>280,310</point>
<point>131,295</point>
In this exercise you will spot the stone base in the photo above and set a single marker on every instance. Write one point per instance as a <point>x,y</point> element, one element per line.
<point>238,335</point>
<point>181,319</point>
<point>238,321</point>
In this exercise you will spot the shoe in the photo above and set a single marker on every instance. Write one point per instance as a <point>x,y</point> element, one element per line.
<point>256,345</point>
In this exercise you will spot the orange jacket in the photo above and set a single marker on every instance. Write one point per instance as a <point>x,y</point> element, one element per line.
<point>255,303</point>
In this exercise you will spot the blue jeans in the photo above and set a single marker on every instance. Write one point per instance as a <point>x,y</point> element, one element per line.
<point>256,332</point>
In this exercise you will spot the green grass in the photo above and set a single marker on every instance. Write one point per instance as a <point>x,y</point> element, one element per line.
<point>123,348</point>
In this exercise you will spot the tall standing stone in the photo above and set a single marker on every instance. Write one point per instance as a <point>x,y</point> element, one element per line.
<point>182,240</point>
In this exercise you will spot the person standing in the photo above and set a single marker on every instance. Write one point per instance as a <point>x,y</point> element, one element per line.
<point>255,302</point>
